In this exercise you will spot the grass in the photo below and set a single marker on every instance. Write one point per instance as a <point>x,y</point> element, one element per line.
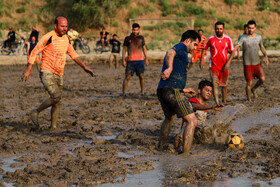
<point>7,13</point>
<point>212,12</point>
<point>5,25</point>
<point>264,5</point>
<point>199,23</point>
<point>135,12</point>
<point>115,24</point>
<point>239,24</point>
<point>21,9</point>
<point>225,20</point>
<point>235,2</point>
<point>166,8</point>
<point>278,38</point>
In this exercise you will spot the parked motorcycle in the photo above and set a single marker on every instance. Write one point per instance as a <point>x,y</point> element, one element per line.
<point>18,47</point>
<point>98,49</point>
<point>82,45</point>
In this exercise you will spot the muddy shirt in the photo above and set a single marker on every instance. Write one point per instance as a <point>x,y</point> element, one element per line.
<point>250,49</point>
<point>54,49</point>
<point>178,76</point>
<point>201,115</point>
<point>116,46</point>
<point>134,46</point>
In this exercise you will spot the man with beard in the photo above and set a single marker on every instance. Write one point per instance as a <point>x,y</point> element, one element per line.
<point>54,46</point>
<point>171,91</point>
<point>251,60</point>
<point>135,46</point>
<point>220,45</point>
<point>200,108</point>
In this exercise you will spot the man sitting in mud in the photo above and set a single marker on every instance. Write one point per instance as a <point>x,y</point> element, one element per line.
<point>200,108</point>
<point>171,89</point>
<point>54,46</point>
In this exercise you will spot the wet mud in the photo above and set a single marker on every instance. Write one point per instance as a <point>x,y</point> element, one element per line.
<point>102,136</point>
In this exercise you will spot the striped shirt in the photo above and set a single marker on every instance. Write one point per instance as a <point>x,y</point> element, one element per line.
<point>54,49</point>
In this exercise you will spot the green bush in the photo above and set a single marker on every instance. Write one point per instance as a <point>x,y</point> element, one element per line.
<point>264,5</point>
<point>223,19</point>
<point>1,35</point>
<point>166,7</point>
<point>235,2</point>
<point>5,25</point>
<point>7,12</point>
<point>136,12</point>
<point>278,38</point>
<point>239,24</point>
<point>21,9</point>
<point>199,23</point>
<point>115,24</point>
<point>2,3</point>
<point>149,8</point>
<point>212,12</point>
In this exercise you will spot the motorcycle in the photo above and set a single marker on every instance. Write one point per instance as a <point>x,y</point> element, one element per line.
<point>18,47</point>
<point>80,43</point>
<point>98,49</point>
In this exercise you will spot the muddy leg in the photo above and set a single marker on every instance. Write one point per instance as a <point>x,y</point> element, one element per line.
<point>189,132</point>
<point>111,59</point>
<point>165,130</point>
<point>142,83</point>
<point>125,83</point>
<point>224,93</point>
<point>248,90</point>
<point>258,84</point>
<point>54,114</point>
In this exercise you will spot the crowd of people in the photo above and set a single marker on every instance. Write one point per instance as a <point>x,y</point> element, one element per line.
<point>175,98</point>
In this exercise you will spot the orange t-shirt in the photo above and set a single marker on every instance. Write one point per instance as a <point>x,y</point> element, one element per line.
<point>54,49</point>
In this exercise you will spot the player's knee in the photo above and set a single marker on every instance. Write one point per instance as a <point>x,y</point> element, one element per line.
<point>56,99</point>
<point>127,77</point>
<point>262,79</point>
<point>141,76</point>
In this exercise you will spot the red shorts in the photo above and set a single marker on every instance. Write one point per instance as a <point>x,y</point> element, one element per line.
<point>252,71</point>
<point>219,76</point>
<point>196,55</point>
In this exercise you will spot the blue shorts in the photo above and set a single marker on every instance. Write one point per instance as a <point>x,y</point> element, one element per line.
<point>134,66</point>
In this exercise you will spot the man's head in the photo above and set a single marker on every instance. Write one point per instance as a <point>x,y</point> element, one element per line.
<point>135,29</point>
<point>71,30</point>
<point>61,25</point>
<point>219,28</point>
<point>191,39</point>
<point>33,39</point>
<point>200,32</point>
<point>103,29</point>
<point>251,27</point>
<point>205,89</point>
<point>115,36</point>
<point>10,29</point>
<point>246,29</point>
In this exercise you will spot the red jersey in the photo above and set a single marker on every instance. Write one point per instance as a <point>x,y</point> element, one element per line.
<point>219,48</point>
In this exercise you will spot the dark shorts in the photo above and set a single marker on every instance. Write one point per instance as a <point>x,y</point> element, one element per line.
<point>174,102</point>
<point>52,83</point>
<point>135,66</point>
<point>252,71</point>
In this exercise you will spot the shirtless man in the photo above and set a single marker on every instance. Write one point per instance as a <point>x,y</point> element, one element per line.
<point>251,60</point>
<point>220,45</point>
<point>54,46</point>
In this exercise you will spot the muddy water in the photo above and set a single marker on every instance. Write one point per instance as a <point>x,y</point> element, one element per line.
<point>104,138</point>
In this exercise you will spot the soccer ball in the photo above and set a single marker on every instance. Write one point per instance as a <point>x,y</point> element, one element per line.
<point>235,141</point>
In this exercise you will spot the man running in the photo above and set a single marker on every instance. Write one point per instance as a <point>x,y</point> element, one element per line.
<point>135,46</point>
<point>171,89</point>
<point>251,60</point>
<point>115,53</point>
<point>245,32</point>
<point>200,108</point>
<point>220,45</point>
<point>196,55</point>
<point>30,46</point>
<point>54,46</point>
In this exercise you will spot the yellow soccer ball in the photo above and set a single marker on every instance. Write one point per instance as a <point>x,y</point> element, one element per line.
<point>235,141</point>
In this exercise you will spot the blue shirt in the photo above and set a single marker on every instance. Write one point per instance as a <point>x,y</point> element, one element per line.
<point>178,76</point>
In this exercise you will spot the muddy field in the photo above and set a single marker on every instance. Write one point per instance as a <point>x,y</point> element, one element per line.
<point>103,137</point>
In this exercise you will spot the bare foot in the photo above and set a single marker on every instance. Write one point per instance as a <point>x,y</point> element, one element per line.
<point>34,117</point>
<point>254,93</point>
<point>178,141</point>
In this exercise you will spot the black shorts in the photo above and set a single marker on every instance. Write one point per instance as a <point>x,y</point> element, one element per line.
<point>174,102</point>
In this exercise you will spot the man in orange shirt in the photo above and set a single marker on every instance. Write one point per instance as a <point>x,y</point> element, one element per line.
<point>54,46</point>
<point>197,52</point>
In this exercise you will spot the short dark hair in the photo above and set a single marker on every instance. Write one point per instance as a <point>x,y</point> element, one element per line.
<point>252,22</point>
<point>204,83</point>
<point>190,34</point>
<point>219,23</point>
<point>199,30</point>
<point>115,35</point>
<point>135,25</point>
<point>246,25</point>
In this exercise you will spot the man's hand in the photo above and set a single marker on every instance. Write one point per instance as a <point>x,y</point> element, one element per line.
<point>226,67</point>
<point>124,63</point>
<point>146,61</point>
<point>266,61</point>
<point>189,91</point>
<point>25,75</point>
<point>165,75</point>
<point>89,71</point>
<point>202,64</point>
<point>217,107</point>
